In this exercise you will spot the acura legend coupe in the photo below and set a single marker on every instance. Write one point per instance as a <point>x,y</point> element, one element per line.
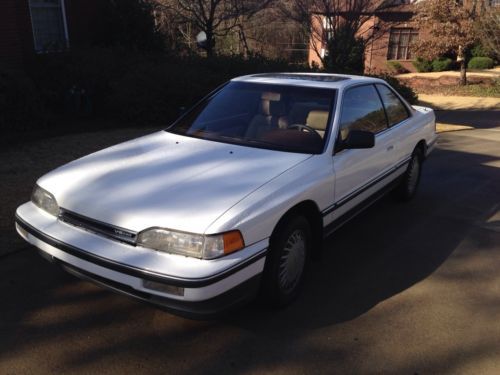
<point>235,196</point>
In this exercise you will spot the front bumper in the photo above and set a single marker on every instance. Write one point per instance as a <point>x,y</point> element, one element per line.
<point>194,288</point>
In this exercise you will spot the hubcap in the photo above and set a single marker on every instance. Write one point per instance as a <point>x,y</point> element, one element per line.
<point>413,174</point>
<point>292,261</point>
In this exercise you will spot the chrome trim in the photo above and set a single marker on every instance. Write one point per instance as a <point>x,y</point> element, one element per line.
<point>97,227</point>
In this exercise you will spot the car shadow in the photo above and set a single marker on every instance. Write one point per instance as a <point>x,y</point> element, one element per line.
<point>384,251</point>
<point>478,119</point>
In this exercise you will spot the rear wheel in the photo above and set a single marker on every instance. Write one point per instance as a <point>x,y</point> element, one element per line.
<point>285,264</point>
<point>411,178</point>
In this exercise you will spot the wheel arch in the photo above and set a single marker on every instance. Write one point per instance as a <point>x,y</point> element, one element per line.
<point>310,210</point>
<point>422,146</point>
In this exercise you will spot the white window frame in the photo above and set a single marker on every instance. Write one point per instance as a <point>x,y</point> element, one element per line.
<point>65,23</point>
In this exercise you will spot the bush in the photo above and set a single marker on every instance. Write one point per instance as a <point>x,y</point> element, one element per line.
<point>480,51</point>
<point>481,63</point>
<point>346,53</point>
<point>422,65</point>
<point>396,67</point>
<point>131,25</point>
<point>441,64</point>
<point>404,90</point>
<point>133,87</point>
<point>21,107</point>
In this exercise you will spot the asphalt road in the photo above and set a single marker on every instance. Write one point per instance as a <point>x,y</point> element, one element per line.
<point>403,288</point>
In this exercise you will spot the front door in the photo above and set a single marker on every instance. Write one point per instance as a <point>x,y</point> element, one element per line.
<point>360,172</point>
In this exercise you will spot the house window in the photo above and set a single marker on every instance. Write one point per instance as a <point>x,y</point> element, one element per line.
<point>400,41</point>
<point>48,20</point>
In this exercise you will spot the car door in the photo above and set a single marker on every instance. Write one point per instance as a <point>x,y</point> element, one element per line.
<point>398,117</point>
<point>359,172</point>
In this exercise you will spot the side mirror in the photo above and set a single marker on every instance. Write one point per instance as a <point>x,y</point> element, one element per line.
<point>359,139</point>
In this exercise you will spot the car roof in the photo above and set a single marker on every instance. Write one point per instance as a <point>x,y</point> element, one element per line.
<point>322,80</point>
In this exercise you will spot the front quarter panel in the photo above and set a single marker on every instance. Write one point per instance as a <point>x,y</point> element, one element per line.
<point>256,216</point>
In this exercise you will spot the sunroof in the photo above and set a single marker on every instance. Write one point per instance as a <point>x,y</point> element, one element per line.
<point>304,77</point>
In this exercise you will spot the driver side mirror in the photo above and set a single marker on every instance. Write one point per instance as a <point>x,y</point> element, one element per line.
<point>359,139</point>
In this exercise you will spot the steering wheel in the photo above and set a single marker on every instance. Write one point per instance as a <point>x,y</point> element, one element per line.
<point>307,128</point>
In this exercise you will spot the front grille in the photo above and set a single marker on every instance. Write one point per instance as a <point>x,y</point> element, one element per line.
<point>98,227</point>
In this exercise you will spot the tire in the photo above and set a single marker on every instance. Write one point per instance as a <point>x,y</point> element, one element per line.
<point>407,188</point>
<point>286,262</point>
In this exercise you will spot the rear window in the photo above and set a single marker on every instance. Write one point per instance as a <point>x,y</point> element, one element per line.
<point>395,109</point>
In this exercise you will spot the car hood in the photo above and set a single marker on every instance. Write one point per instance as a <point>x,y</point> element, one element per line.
<point>164,180</point>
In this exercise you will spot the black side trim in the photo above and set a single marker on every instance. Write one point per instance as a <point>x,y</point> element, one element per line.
<point>207,309</point>
<point>336,224</point>
<point>364,188</point>
<point>133,271</point>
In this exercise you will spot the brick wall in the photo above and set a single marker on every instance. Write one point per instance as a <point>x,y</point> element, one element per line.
<point>16,38</point>
<point>376,52</point>
<point>84,19</point>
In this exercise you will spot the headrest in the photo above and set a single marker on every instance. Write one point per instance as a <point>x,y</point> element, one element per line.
<point>317,120</point>
<point>272,108</point>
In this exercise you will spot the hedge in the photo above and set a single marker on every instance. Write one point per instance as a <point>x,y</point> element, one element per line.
<point>422,65</point>
<point>120,86</point>
<point>441,64</point>
<point>396,67</point>
<point>480,62</point>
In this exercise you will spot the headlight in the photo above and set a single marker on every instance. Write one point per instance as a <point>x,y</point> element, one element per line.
<point>192,245</point>
<point>45,200</point>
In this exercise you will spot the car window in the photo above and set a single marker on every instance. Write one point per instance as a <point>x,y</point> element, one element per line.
<point>278,117</point>
<point>395,109</point>
<point>362,110</point>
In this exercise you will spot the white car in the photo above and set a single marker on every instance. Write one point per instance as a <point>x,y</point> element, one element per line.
<point>235,195</point>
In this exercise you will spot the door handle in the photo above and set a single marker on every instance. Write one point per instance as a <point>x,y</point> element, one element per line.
<point>390,148</point>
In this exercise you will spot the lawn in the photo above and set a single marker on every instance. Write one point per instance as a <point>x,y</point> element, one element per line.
<point>481,90</point>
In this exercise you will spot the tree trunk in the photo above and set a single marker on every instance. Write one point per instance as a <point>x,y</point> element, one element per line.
<point>463,68</point>
<point>210,43</point>
<point>463,73</point>
<point>210,50</point>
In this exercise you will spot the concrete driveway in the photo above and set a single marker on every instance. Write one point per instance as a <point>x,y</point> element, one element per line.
<point>403,288</point>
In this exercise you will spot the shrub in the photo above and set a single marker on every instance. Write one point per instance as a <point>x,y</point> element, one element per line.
<point>441,64</point>
<point>346,53</point>
<point>481,63</point>
<point>21,107</point>
<point>396,67</point>
<point>479,51</point>
<point>131,86</point>
<point>422,65</point>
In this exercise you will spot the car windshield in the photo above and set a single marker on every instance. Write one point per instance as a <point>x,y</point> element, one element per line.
<point>278,117</point>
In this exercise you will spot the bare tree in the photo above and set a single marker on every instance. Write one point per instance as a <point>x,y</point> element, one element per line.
<point>332,19</point>
<point>274,36</point>
<point>215,18</point>
<point>450,28</point>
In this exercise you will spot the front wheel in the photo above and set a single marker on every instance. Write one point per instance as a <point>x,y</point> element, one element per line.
<point>411,178</point>
<point>285,264</point>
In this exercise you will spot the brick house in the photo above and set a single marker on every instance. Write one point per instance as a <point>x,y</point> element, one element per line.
<point>28,27</point>
<point>394,30</point>
<point>395,33</point>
